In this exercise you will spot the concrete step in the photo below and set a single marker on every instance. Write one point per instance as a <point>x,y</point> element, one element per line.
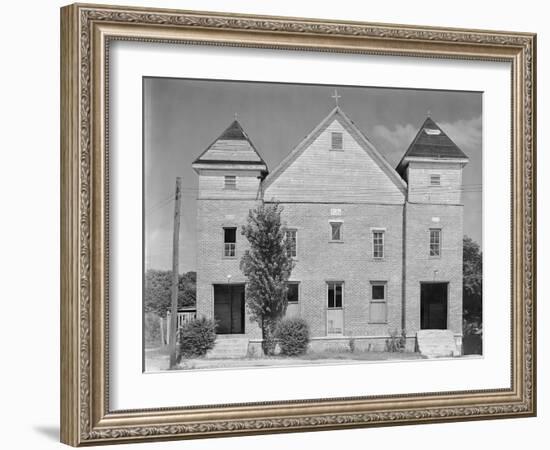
<point>230,344</point>
<point>229,347</point>
<point>436,343</point>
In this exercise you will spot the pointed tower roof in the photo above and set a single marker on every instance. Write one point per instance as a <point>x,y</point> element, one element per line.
<point>431,142</point>
<point>233,146</point>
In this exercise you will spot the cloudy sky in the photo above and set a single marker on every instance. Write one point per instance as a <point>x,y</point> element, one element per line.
<point>182,117</point>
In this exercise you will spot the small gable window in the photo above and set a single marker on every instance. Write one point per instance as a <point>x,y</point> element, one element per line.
<point>337,141</point>
<point>230,182</point>
<point>435,179</point>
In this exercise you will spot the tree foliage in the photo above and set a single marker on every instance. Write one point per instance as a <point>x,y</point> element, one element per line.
<point>472,272</point>
<point>472,324</point>
<point>158,290</point>
<point>267,265</point>
<point>293,335</point>
<point>196,337</point>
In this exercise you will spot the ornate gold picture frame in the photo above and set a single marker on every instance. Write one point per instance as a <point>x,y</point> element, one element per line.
<point>87,32</point>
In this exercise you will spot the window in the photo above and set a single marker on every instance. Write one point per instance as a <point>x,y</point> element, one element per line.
<point>293,292</point>
<point>336,231</point>
<point>435,179</point>
<point>291,237</point>
<point>229,242</point>
<point>334,294</point>
<point>378,243</point>
<point>230,182</point>
<point>435,242</point>
<point>337,141</point>
<point>378,306</point>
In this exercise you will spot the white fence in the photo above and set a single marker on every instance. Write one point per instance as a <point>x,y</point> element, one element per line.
<point>184,316</point>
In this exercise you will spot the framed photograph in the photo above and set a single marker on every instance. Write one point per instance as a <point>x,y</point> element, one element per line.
<point>276,224</point>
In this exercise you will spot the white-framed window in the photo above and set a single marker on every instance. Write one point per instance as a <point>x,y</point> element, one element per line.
<point>378,244</point>
<point>336,140</point>
<point>292,236</point>
<point>435,179</point>
<point>336,231</point>
<point>293,292</point>
<point>229,242</point>
<point>230,182</point>
<point>435,242</point>
<point>378,310</point>
<point>335,294</point>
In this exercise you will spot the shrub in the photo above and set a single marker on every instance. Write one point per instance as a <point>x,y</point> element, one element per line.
<point>293,335</point>
<point>152,330</point>
<point>196,337</point>
<point>396,342</point>
<point>351,345</point>
<point>472,340</point>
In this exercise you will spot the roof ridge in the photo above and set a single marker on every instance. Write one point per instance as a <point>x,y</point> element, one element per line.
<point>414,140</point>
<point>290,155</point>
<point>234,132</point>
<point>438,139</point>
<point>347,122</point>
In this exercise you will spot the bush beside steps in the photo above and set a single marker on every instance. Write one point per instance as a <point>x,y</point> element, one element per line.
<point>196,337</point>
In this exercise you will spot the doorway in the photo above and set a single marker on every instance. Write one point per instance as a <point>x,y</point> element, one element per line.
<point>229,308</point>
<point>433,306</point>
<point>335,308</point>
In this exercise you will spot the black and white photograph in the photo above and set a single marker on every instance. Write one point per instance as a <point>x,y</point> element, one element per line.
<point>291,224</point>
<point>275,224</point>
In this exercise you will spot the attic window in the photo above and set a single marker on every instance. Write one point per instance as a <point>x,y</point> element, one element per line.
<point>337,141</point>
<point>435,179</point>
<point>432,131</point>
<point>230,182</point>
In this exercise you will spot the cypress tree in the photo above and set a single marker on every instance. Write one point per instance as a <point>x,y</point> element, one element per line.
<point>267,265</point>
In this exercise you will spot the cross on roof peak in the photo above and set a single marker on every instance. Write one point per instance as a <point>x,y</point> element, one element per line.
<point>335,96</point>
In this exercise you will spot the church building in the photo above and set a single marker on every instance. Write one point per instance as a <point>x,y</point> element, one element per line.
<point>377,249</point>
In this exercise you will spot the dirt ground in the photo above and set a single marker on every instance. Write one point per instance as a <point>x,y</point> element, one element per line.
<point>157,360</point>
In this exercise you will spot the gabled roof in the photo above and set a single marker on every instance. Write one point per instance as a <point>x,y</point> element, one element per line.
<point>233,146</point>
<point>362,140</point>
<point>431,142</point>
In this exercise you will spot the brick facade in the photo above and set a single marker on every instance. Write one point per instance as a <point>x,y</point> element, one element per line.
<point>351,261</point>
<point>357,188</point>
<point>212,267</point>
<point>420,267</point>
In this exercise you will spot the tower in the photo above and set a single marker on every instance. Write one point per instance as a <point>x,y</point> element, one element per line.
<point>230,171</point>
<point>432,167</point>
<point>230,167</point>
<point>432,262</point>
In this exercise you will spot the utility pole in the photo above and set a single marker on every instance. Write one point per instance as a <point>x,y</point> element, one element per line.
<point>175,277</point>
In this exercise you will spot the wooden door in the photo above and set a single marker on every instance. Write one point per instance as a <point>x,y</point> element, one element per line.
<point>229,308</point>
<point>433,306</point>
